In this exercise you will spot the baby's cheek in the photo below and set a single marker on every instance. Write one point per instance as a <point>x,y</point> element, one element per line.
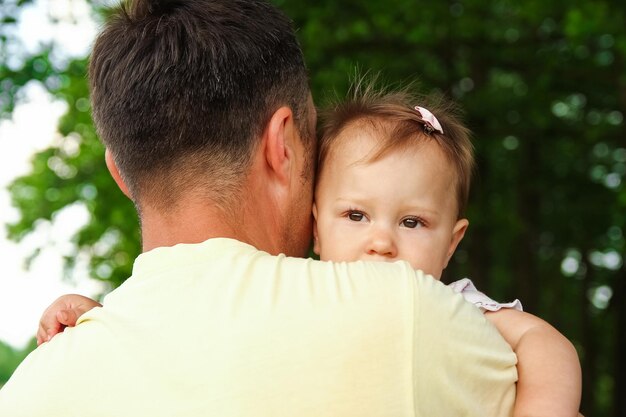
<point>429,266</point>
<point>338,252</point>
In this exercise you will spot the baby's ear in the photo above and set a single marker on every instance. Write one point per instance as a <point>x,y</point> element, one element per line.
<point>457,235</point>
<point>316,241</point>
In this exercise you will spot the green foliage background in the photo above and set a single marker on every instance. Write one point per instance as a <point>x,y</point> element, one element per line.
<point>543,85</point>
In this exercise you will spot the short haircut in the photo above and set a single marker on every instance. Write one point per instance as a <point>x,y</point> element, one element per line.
<point>182,89</point>
<point>393,118</point>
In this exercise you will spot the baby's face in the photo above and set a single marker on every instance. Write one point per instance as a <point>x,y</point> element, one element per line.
<point>400,207</point>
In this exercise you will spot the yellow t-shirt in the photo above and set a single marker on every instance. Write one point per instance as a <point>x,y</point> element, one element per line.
<point>222,329</point>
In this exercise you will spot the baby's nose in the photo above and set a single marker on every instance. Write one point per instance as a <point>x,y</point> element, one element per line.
<point>382,243</point>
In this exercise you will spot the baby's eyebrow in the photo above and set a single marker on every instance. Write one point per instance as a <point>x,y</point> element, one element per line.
<point>420,204</point>
<point>359,201</point>
<point>421,209</point>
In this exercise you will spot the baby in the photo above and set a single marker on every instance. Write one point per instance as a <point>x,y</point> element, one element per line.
<point>393,181</point>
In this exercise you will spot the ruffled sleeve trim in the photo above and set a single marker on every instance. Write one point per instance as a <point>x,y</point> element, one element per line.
<point>466,288</point>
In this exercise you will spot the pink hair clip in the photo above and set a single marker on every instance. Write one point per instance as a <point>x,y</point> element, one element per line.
<point>431,124</point>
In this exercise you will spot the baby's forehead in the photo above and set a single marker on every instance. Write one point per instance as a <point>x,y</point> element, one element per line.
<point>368,140</point>
<point>378,135</point>
<point>373,128</point>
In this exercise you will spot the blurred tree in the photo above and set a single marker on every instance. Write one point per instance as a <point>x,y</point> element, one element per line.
<point>544,89</point>
<point>72,170</point>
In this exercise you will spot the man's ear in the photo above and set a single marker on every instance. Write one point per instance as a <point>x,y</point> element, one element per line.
<point>316,241</point>
<point>115,173</point>
<point>457,235</point>
<point>278,144</point>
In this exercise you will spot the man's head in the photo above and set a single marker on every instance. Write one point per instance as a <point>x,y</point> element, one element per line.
<point>183,90</point>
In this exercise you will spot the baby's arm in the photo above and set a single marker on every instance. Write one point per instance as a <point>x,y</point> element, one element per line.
<point>550,381</point>
<point>62,313</point>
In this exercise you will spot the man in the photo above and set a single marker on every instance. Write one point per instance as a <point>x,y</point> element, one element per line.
<point>205,112</point>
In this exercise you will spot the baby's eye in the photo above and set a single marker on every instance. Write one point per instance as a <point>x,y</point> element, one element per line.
<point>411,222</point>
<point>356,216</point>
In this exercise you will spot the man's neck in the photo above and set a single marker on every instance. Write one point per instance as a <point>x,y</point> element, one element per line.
<point>197,222</point>
<point>181,226</point>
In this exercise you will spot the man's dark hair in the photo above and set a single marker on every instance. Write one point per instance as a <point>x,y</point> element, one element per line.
<point>181,90</point>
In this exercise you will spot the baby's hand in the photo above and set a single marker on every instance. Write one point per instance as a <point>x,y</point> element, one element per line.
<point>62,313</point>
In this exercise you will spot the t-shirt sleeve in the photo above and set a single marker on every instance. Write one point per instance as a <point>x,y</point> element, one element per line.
<point>37,385</point>
<point>459,352</point>
<point>49,380</point>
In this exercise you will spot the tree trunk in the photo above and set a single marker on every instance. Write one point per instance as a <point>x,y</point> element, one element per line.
<point>588,363</point>
<point>619,304</point>
<point>527,273</point>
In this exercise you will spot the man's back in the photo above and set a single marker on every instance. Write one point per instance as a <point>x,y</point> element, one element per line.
<point>222,329</point>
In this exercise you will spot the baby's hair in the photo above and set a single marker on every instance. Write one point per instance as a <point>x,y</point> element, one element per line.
<point>393,117</point>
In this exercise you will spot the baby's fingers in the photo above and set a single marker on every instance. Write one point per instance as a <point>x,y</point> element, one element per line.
<point>41,336</point>
<point>48,327</point>
<point>68,318</point>
<point>62,313</point>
